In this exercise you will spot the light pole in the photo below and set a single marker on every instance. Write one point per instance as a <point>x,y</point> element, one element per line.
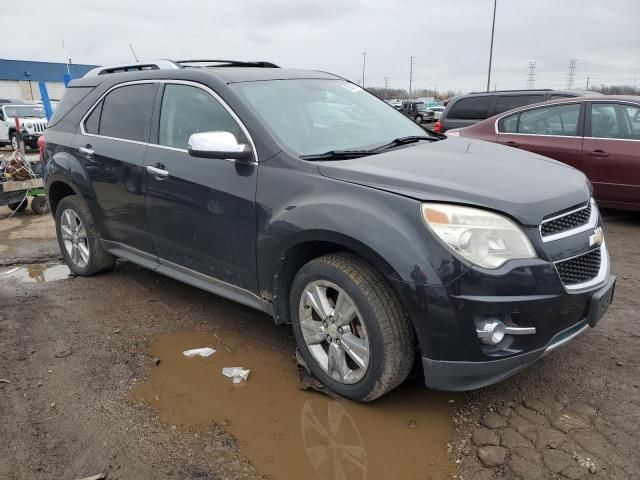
<point>364,64</point>
<point>493,29</point>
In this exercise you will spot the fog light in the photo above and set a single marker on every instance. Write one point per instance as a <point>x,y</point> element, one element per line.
<point>491,331</point>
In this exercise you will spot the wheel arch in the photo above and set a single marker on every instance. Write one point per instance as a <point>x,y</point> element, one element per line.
<point>313,244</point>
<point>56,191</point>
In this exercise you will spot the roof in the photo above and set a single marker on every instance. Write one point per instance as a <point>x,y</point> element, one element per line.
<point>251,74</point>
<point>39,71</point>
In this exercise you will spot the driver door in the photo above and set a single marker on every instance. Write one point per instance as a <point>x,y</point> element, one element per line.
<point>201,210</point>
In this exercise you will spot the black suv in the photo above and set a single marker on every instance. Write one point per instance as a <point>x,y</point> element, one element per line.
<point>465,110</point>
<point>300,194</point>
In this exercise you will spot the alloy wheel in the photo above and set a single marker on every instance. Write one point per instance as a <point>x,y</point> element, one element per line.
<point>334,331</point>
<point>74,238</point>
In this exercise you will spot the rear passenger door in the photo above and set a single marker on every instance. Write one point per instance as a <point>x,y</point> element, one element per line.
<point>554,131</point>
<point>202,211</point>
<point>611,152</point>
<point>110,145</point>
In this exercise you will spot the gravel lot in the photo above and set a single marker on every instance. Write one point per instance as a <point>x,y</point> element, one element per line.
<point>77,357</point>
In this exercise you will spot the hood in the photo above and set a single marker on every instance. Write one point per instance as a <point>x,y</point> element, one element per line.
<point>523,185</point>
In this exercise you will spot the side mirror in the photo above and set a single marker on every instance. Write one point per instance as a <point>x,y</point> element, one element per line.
<point>218,144</point>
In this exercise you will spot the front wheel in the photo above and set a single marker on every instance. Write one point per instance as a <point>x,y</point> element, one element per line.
<point>350,326</point>
<point>418,119</point>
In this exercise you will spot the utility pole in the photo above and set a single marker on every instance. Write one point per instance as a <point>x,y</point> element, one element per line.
<point>588,78</point>
<point>571,76</point>
<point>68,60</point>
<point>386,86</point>
<point>531,75</point>
<point>411,79</point>
<point>493,29</point>
<point>364,64</point>
<point>435,92</point>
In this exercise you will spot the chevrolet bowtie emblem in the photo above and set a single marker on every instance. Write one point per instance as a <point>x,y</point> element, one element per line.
<point>597,238</point>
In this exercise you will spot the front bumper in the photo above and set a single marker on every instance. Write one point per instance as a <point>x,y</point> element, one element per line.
<point>529,295</point>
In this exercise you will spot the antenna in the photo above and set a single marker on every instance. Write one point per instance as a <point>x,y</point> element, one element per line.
<point>66,56</point>
<point>571,76</point>
<point>531,76</point>
<point>134,53</point>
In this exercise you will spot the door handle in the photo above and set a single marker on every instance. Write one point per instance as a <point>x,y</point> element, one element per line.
<point>598,153</point>
<point>86,151</point>
<point>157,172</point>
<point>512,144</point>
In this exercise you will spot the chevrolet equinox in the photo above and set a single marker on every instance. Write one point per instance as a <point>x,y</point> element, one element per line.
<point>386,246</point>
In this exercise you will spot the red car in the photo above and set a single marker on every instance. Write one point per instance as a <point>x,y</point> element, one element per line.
<point>598,135</point>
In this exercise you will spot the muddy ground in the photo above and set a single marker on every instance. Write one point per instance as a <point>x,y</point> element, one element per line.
<point>81,394</point>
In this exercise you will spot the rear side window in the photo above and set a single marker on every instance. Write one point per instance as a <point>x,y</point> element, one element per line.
<point>71,97</point>
<point>558,120</point>
<point>125,113</point>
<point>187,110</point>
<point>613,120</point>
<point>507,102</point>
<point>471,108</point>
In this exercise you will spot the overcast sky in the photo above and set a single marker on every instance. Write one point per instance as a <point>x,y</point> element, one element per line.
<point>449,39</point>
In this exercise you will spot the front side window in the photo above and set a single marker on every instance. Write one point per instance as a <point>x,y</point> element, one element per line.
<point>187,110</point>
<point>613,120</point>
<point>126,113</point>
<point>471,108</point>
<point>559,120</point>
<point>315,116</point>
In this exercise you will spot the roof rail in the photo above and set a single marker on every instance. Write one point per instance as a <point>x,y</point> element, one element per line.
<point>516,90</point>
<point>226,63</point>
<point>132,67</point>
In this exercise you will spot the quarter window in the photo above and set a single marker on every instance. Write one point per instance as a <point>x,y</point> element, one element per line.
<point>471,108</point>
<point>187,110</point>
<point>559,120</point>
<point>612,120</point>
<point>124,113</point>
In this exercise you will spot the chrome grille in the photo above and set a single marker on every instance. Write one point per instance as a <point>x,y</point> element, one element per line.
<point>566,222</point>
<point>580,269</point>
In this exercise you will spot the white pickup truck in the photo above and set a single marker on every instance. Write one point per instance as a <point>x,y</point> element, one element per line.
<point>33,123</point>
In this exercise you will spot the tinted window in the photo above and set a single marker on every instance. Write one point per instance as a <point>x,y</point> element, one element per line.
<point>70,99</point>
<point>126,112</point>
<point>554,120</point>
<point>557,96</point>
<point>471,108</point>
<point>610,120</point>
<point>187,110</point>
<point>92,123</point>
<point>507,102</point>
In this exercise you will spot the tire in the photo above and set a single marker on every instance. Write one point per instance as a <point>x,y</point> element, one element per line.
<point>380,322</point>
<point>81,248</point>
<point>13,141</point>
<point>39,205</point>
<point>19,206</point>
<point>418,119</point>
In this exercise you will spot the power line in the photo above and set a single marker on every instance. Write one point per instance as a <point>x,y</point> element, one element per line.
<point>571,76</point>
<point>531,76</point>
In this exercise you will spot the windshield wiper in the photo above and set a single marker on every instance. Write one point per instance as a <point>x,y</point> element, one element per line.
<point>405,140</point>
<point>339,154</point>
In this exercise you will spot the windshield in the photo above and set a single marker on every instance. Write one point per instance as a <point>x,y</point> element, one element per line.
<point>23,111</point>
<point>313,116</point>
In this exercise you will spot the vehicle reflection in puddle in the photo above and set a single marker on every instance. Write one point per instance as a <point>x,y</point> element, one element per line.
<point>38,272</point>
<point>288,433</point>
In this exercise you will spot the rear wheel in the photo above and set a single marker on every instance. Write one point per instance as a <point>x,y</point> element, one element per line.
<point>13,138</point>
<point>19,206</point>
<point>350,326</point>
<point>78,239</point>
<point>418,119</point>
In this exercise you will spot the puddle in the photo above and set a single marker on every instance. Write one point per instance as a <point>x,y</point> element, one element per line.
<point>292,434</point>
<point>38,272</point>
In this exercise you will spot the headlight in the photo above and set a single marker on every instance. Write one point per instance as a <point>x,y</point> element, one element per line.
<point>481,237</point>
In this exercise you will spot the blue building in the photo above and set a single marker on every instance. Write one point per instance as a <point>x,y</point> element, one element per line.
<point>19,78</point>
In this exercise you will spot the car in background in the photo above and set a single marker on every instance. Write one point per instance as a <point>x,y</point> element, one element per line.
<point>598,135</point>
<point>437,111</point>
<point>33,123</point>
<point>465,110</point>
<point>417,111</point>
